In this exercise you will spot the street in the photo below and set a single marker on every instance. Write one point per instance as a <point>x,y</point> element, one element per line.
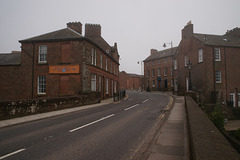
<point>109,132</point>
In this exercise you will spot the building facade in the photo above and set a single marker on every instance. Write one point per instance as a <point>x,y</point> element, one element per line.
<point>131,81</point>
<point>159,69</point>
<point>209,64</point>
<point>64,63</point>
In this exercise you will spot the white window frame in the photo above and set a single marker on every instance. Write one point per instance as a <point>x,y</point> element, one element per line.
<point>41,85</point>
<point>165,72</point>
<point>115,86</point>
<point>200,55</point>
<point>95,58</point>
<point>153,83</point>
<point>159,72</point>
<point>175,64</point>
<point>217,54</point>
<point>153,73</point>
<point>106,85</point>
<point>92,56</point>
<point>93,82</point>
<point>101,61</point>
<point>218,77</point>
<point>147,73</point>
<point>42,56</point>
<point>100,84</point>
<point>106,64</point>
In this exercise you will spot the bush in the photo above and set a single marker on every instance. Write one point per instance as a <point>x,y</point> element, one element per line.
<point>217,117</point>
<point>237,134</point>
<point>236,112</point>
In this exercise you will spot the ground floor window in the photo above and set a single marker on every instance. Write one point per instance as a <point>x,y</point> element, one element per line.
<point>93,82</point>
<point>106,85</point>
<point>41,85</point>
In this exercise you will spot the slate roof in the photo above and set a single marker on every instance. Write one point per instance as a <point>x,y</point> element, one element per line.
<point>10,59</point>
<point>162,54</point>
<point>218,40</point>
<point>63,34</point>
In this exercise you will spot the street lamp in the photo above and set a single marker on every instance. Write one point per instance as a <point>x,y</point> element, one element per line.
<point>165,45</point>
<point>189,65</point>
<point>141,75</point>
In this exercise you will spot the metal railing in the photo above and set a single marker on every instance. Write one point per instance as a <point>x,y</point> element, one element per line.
<point>119,95</point>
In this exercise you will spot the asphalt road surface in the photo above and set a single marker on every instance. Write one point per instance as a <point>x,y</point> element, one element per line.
<point>110,132</point>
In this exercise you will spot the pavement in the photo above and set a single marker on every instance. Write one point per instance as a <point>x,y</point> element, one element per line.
<point>232,125</point>
<point>172,141</point>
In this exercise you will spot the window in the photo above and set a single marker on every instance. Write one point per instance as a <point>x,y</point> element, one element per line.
<point>41,86</point>
<point>200,55</point>
<point>106,85</point>
<point>165,71</point>
<point>101,61</point>
<point>217,54</point>
<point>111,67</point>
<point>172,71</point>
<point>153,83</point>
<point>186,61</point>
<point>175,64</point>
<point>114,68</point>
<point>153,63</point>
<point>147,73</point>
<point>100,84</point>
<point>93,82</point>
<point>95,58</point>
<point>159,72</point>
<point>153,73</point>
<point>115,86</point>
<point>42,57</point>
<point>147,63</point>
<point>92,56</point>
<point>106,64</point>
<point>218,77</point>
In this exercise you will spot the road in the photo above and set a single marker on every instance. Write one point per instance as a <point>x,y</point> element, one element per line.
<point>110,132</point>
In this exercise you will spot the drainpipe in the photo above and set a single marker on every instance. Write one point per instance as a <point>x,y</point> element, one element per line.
<point>214,78</point>
<point>33,58</point>
<point>225,61</point>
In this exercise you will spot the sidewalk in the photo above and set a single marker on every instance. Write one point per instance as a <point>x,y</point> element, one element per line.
<point>172,141</point>
<point>34,117</point>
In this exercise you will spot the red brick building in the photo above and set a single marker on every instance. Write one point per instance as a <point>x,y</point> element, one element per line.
<point>159,69</point>
<point>131,81</point>
<point>62,63</point>
<point>214,65</point>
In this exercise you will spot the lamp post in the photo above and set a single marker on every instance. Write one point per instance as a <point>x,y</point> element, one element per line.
<point>141,75</point>
<point>165,45</point>
<point>189,65</point>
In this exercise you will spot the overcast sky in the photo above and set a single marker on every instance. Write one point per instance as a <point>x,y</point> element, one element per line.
<point>136,25</point>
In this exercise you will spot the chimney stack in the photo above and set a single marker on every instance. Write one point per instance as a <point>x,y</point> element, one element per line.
<point>153,51</point>
<point>76,26</point>
<point>187,31</point>
<point>92,30</point>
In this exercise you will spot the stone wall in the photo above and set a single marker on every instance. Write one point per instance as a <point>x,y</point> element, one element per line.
<point>206,141</point>
<point>13,109</point>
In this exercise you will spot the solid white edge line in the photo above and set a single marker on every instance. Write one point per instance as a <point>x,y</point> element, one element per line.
<point>10,154</point>
<point>75,129</point>
<point>145,101</point>
<point>131,107</point>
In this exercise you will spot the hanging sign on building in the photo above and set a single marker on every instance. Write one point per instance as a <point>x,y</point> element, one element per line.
<point>63,69</point>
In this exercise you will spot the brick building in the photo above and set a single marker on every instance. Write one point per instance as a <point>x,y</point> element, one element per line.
<point>61,63</point>
<point>131,81</point>
<point>214,61</point>
<point>159,69</point>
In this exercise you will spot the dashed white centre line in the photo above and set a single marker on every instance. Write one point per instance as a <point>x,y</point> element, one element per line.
<point>101,119</point>
<point>131,107</point>
<point>145,101</point>
<point>10,154</point>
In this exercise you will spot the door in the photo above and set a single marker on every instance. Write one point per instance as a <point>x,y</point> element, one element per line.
<point>232,99</point>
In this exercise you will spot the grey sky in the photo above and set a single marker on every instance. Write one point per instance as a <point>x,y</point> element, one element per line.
<point>136,25</point>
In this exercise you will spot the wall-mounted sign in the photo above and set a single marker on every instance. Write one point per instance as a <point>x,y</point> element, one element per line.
<point>63,69</point>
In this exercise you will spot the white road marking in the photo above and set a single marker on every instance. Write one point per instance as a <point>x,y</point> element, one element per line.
<point>10,154</point>
<point>101,119</point>
<point>131,107</point>
<point>145,101</point>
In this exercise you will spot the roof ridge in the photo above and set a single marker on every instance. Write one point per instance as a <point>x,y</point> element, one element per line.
<point>74,31</point>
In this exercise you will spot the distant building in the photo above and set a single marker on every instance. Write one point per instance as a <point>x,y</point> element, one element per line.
<point>214,65</point>
<point>61,63</point>
<point>159,69</point>
<point>130,81</point>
